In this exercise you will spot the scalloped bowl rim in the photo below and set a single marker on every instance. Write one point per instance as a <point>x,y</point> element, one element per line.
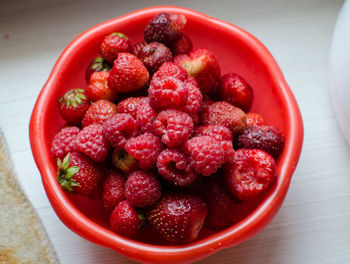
<point>239,232</point>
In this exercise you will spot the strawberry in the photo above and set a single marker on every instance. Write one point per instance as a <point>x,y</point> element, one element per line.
<point>126,221</point>
<point>131,105</point>
<point>96,65</point>
<point>123,161</point>
<point>178,217</point>
<point>98,88</point>
<point>153,55</point>
<point>182,46</point>
<point>113,190</point>
<point>254,119</point>
<point>223,113</point>
<point>73,106</point>
<point>114,44</point>
<point>78,174</point>
<point>250,174</point>
<point>128,74</point>
<point>165,28</point>
<point>99,112</point>
<point>136,48</point>
<point>202,65</point>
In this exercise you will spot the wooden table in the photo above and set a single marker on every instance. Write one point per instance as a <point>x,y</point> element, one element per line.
<point>313,224</point>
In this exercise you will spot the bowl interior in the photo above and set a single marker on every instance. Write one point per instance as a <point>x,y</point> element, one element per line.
<point>234,55</point>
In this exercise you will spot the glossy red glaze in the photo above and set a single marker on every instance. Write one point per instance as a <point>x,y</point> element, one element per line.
<point>237,51</point>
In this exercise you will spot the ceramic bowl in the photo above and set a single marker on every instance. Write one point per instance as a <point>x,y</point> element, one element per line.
<point>237,51</point>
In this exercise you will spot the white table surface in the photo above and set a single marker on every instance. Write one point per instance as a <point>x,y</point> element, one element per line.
<point>313,224</point>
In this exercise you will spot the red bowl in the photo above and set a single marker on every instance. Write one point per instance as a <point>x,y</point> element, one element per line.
<point>237,51</point>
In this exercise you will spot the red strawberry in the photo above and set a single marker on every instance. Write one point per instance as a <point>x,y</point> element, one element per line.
<point>220,202</point>
<point>114,44</point>
<point>98,87</point>
<point>250,174</point>
<point>178,217</point>
<point>136,48</point>
<point>96,65</point>
<point>78,174</point>
<point>254,119</point>
<point>123,161</point>
<point>131,105</point>
<point>153,55</point>
<point>113,191</point>
<point>165,28</point>
<point>233,89</point>
<point>92,142</point>
<point>73,106</point>
<point>99,112</point>
<point>182,46</point>
<point>142,189</point>
<point>223,113</point>
<point>64,142</point>
<point>128,74</point>
<point>202,65</point>
<point>126,221</point>
<point>267,138</point>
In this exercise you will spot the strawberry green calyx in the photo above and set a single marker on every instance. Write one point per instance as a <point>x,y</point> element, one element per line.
<point>65,174</point>
<point>121,35</point>
<point>72,98</point>
<point>99,64</point>
<point>142,218</point>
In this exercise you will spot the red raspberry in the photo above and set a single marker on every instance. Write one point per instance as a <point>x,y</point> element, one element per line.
<point>165,28</point>
<point>254,119</point>
<point>96,65</point>
<point>131,105</point>
<point>206,153</point>
<point>92,143</point>
<point>182,46</point>
<point>98,87</point>
<point>119,128</point>
<point>169,69</point>
<point>167,93</point>
<point>251,173</point>
<point>73,106</point>
<point>145,148</point>
<point>145,117</point>
<point>126,221</point>
<point>153,55</point>
<point>123,161</point>
<point>99,112</point>
<point>113,44</point>
<point>233,89</point>
<point>174,166</point>
<point>193,100</point>
<point>128,74</point>
<point>142,189</point>
<point>174,126</point>
<point>267,138</point>
<point>113,190</point>
<point>64,142</point>
<point>136,48</point>
<point>223,113</point>
<point>220,203</point>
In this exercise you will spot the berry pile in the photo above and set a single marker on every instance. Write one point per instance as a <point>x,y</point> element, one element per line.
<point>162,137</point>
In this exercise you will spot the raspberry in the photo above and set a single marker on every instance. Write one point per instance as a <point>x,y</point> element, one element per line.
<point>250,174</point>
<point>131,105</point>
<point>113,190</point>
<point>223,113</point>
<point>64,142</point>
<point>219,132</point>
<point>169,69</point>
<point>125,220</point>
<point>145,148</point>
<point>193,100</point>
<point>174,126</point>
<point>167,93</point>
<point>206,153</point>
<point>99,112</point>
<point>145,117</point>
<point>267,138</point>
<point>92,143</point>
<point>254,119</point>
<point>142,189</point>
<point>174,166</point>
<point>119,128</point>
